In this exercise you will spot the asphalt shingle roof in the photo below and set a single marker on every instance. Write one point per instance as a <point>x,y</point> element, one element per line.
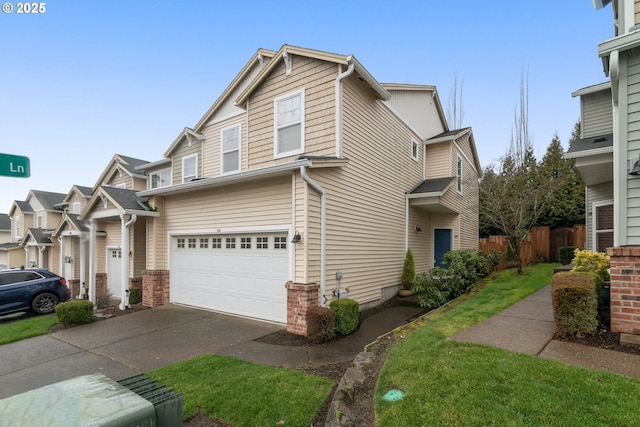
<point>432,185</point>
<point>126,199</point>
<point>5,222</point>
<point>48,199</point>
<point>592,143</point>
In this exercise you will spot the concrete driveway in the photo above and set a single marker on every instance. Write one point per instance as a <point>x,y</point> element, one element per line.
<point>125,345</point>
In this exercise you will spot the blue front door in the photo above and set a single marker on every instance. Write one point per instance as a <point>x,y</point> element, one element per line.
<point>441,245</point>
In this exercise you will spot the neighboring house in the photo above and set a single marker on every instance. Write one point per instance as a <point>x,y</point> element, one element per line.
<point>593,156</point>
<point>113,224</point>
<point>307,172</point>
<point>621,60</point>
<point>32,224</point>
<point>5,240</point>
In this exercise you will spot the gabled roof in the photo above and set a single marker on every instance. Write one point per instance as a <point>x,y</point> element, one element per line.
<point>74,223</point>
<point>47,199</point>
<point>39,235</point>
<point>84,192</point>
<point>124,163</point>
<point>126,201</point>
<point>453,136</point>
<point>22,205</point>
<point>421,88</point>
<point>5,222</point>
<point>287,50</point>
<point>186,133</point>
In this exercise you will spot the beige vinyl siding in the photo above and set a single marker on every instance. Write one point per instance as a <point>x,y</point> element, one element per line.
<point>181,151</point>
<point>633,147</point>
<point>421,243</point>
<point>156,235</point>
<point>595,194</point>
<point>51,219</point>
<point>211,151</point>
<point>138,184</point>
<point>438,158</point>
<point>317,79</point>
<point>257,204</point>
<point>76,198</point>
<point>366,198</point>
<point>597,114</point>
<point>415,106</point>
<point>138,247</point>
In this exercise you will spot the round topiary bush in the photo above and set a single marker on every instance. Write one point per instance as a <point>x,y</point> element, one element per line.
<point>347,315</point>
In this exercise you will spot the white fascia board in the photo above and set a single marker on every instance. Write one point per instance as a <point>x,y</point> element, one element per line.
<point>620,43</point>
<point>153,164</point>
<point>588,153</point>
<point>592,89</point>
<point>226,179</point>
<point>425,195</point>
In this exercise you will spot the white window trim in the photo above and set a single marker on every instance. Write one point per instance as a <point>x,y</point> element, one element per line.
<point>169,174</point>
<point>190,177</point>
<point>239,149</point>
<point>594,222</point>
<point>122,185</point>
<point>459,169</point>
<point>18,233</point>
<point>415,144</point>
<point>277,155</point>
<point>76,208</point>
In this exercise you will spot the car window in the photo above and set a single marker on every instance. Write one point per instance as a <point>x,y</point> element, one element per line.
<point>17,277</point>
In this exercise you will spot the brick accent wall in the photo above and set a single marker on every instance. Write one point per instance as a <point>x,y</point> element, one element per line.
<point>135,283</point>
<point>101,284</point>
<point>625,290</point>
<point>300,297</point>
<point>155,288</point>
<point>74,286</point>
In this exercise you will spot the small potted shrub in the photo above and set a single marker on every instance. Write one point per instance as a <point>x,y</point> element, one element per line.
<point>408,274</point>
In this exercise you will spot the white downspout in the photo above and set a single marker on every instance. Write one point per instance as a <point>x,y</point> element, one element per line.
<point>338,109</point>
<point>406,223</point>
<point>83,261</point>
<point>323,228</point>
<point>124,295</point>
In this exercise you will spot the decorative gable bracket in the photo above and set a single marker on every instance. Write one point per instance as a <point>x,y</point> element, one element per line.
<point>287,63</point>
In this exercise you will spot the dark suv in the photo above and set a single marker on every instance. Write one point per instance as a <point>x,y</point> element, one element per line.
<point>34,289</point>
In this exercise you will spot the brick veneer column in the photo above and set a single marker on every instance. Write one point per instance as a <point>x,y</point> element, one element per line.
<point>155,288</point>
<point>625,292</point>
<point>300,296</point>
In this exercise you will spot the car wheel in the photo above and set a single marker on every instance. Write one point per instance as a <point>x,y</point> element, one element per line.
<point>44,303</point>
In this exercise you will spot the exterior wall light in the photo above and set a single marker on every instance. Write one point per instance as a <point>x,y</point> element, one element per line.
<point>296,238</point>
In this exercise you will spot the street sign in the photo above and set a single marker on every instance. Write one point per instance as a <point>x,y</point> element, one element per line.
<point>14,166</point>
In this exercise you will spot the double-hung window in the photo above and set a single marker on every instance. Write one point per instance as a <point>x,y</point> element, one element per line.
<point>289,124</point>
<point>161,178</point>
<point>189,167</point>
<point>230,150</point>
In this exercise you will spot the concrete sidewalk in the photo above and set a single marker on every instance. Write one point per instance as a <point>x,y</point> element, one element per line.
<point>149,339</point>
<point>528,327</point>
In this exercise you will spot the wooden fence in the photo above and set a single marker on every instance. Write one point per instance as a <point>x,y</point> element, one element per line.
<point>542,243</point>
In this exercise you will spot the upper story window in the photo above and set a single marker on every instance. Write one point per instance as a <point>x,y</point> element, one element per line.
<point>189,167</point>
<point>39,221</point>
<point>414,149</point>
<point>161,178</point>
<point>289,124</point>
<point>122,185</point>
<point>18,227</point>
<point>76,207</point>
<point>230,149</point>
<point>459,175</point>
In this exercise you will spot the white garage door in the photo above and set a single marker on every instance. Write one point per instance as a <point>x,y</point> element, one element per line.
<point>241,274</point>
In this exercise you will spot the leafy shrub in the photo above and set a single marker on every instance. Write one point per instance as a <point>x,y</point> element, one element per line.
<point>347,315</point>
<point>408,270</point>
<point>494,258</point>
<point>321,324</point>
<point>595,263</point>
<point>75,312</point>
<point>566,254</point>
<point>463,267</point>
<point>135,296</point>
<point>432,288</point>
<point>575,306</point>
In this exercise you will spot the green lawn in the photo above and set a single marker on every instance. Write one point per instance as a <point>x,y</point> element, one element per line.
<point>26,328</point>
<point>451,383</point>
<point>243,393</point>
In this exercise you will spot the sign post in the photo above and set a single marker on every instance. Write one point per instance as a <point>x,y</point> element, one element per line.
<point>14,166</point>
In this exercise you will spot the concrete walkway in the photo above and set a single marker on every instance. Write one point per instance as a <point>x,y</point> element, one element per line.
<point>528,327</point>
<point>149,339</point>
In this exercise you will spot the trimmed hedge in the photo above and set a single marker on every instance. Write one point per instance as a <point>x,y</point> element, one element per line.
<point>321,324</point>
<point>347,315</point>
<point>135,296</point>
<point>408,270</point>
<point>575,303</point>
<point>75,312</point>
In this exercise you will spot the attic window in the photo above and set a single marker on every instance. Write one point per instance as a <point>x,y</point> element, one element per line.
<point>189,168</point>
<point>414,149</point>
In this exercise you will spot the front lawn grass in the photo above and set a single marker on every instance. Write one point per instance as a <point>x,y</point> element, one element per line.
<point>26,328</point>
<point>244,393</point>
<point>451,383</point>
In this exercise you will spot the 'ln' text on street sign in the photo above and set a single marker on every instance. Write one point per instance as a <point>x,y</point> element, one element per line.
<point>14,166</point>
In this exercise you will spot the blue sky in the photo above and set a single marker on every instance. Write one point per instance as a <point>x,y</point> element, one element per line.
<point>85,80</point>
